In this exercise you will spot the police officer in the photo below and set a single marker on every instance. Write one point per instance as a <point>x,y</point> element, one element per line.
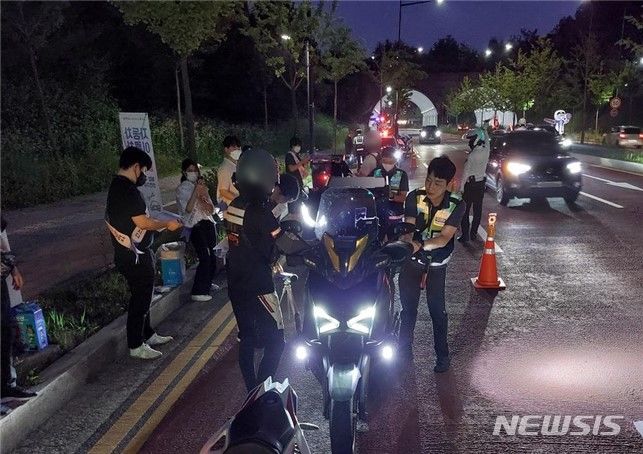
<point>391,209</point>
<point>473,182</point>
<point>436,214</point>
<point>252,234</point>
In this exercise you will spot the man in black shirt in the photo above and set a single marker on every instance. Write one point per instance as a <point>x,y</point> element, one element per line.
<point>253,231</point>
<point>436,214</point>
<point>131,231</point>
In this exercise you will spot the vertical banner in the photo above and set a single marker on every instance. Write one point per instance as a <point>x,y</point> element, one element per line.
<point>135,132</point>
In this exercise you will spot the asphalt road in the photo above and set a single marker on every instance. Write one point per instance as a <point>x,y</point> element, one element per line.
<point>565,338</point>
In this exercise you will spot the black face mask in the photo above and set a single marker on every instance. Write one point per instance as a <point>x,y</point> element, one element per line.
<point>142,178</point>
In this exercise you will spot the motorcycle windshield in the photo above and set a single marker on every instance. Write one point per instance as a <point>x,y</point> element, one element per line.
<point>346,214</point>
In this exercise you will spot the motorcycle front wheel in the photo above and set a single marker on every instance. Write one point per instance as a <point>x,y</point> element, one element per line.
<point>342,427</point>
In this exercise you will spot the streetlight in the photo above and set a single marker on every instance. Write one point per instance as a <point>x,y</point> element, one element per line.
<point>508,47</point>
<point>641,61</point>
<point>286,37</point>
<point>420,50</point>
<point>311,107</point>
<point>389,89</point>
<point>403,4</point>
<point>487,53</point>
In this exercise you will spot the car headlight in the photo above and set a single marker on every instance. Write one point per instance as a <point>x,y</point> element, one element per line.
<point>325,322</point>
<point>305,215</point>
<point>423,134</point>
<point>363,321</point>
<point>574,167</point>
<point>517,168</point>
<point>438,133</point>
<point>398,154</point>
<point>566,143</point>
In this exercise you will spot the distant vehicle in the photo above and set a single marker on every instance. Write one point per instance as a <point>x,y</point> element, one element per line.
<point>464,126</point>
<point>406,157</point>
<point>564,141</point>
<point>430,134</point>
<point>532,164</point>
<point>624,136</point>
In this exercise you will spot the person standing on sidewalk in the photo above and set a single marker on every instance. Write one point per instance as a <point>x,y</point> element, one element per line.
<point>226,190</point>
<point>9,268</point>
<point>196,209</point>
<point>131,230</point>
<point>436,214</point>
<point>474,182</point>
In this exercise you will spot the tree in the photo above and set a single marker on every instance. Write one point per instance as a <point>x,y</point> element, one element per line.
<point>342,57</point>
<point>601,89</point>
<point>184,27</point>
<point>449,55</point>
<point>33,30</point>
<point>281,31</point>
<point>633,44</point>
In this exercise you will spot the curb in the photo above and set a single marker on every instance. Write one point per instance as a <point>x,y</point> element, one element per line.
<point>63,379</point>
<point>615,164</point>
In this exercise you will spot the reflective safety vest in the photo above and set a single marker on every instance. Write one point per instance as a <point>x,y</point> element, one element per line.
<point>425,210</point>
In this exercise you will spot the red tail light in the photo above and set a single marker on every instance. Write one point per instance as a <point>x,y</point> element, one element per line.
<point>640,136</point>
<point>622,136</point>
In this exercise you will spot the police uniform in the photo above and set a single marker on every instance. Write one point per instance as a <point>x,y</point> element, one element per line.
<point>474,181</point>
<point>252,233</point>
<point>429,221</point>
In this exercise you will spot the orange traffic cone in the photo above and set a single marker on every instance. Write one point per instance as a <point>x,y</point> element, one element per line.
<point>488,275</point>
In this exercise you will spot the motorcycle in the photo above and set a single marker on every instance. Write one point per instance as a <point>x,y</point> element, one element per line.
<point>266,424</point>
<point>350,321</point>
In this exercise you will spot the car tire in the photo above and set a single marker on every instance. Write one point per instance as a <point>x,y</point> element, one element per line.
<point>571,197</point>
<point>501,193</point>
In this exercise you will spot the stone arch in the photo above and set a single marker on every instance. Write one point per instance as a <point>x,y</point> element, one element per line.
<point>426,106</point>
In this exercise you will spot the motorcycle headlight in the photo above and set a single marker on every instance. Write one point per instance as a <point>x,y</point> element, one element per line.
<point>305,215</point>
<point>398,154</point>
<point>423,134</point>
<point>517,168</point>
<point>566,143</point>
<point>438,133</point>
<point>574,167</point>
<point>363,321</point>
<point>325,322</point>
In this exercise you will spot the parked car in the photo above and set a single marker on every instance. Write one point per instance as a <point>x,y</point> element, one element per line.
<point>430,134</point>
<point>624,136</point>
<point>530,164</point>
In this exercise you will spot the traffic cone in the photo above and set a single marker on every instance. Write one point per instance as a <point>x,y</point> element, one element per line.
<point>488,278</point>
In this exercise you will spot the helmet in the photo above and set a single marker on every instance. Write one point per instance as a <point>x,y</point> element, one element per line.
<point>257,172</point>
<point>522,122</point>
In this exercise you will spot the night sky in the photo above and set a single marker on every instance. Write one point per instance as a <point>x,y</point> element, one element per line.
<point>472,22</point>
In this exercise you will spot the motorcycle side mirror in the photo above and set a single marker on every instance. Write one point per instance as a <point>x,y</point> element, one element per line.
<point>291,226</point>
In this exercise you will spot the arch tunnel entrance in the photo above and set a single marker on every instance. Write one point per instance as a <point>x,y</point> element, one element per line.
<point>425,105</point>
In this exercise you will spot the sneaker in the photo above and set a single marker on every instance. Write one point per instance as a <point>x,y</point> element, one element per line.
<point>158,340</point>
<point>202,298</point>
<point>17,393</point>
<point>144,352</point>
<point>442,364</point>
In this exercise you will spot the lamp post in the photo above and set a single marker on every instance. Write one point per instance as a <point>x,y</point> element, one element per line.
<point>310,104</point>
<point>402,5</point>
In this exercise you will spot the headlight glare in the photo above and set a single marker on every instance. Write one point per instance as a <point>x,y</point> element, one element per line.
<point>574,167</point>
<point>325,322</point>
<point>398,154</point>
<point>438,133</point>
<point>517,168</point>
<point>566,143</point>
<point>363,321</point>
<point>305,215</point>
<point>423,134</point>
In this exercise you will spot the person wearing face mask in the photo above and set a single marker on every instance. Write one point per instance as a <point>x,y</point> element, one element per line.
<point>295,164</point>
<point>196,209</point>
<point>391,209</point>
<point>226,191</point>
<point>131,231</point>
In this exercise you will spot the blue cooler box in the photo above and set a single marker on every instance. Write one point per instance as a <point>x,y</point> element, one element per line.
<point>31,325</point>
<point>172,271</point>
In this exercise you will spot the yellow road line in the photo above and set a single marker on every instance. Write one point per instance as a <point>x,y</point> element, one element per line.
<point>144,402</point>
<point>154,420</point>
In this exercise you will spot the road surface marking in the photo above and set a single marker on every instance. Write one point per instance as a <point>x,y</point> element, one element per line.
<point>617,170</point>
<point>169,204</point>
<point>613,183</point>
<point>607,202</point>
<point>120,429</point>
<point>639,426</point>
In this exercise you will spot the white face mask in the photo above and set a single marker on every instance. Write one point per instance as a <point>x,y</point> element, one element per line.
<point>235,154</point>
<point>388,167</point>
<point>192,176</point>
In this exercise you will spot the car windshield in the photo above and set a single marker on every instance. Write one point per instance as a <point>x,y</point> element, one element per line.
<point>346,212</point>
<point>430,128</point>
<point>537,143</point>
<point>632,130</point>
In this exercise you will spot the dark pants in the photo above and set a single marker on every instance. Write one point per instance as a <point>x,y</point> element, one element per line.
<point>204,239</point>
<point>140,279</point>
<point>7,337</point>
<point>473,195</point>
<point>257,329</point>
<point>410,280</point>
